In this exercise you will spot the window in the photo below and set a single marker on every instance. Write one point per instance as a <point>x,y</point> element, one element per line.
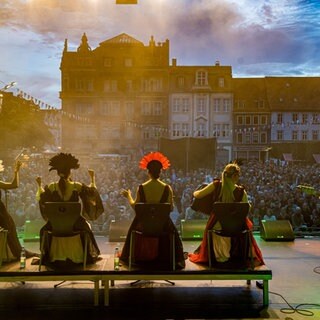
<point>110,86</point>
<point>152,85</point>
<point>110,108</point>
<point>225,130</point>
<point>295,118</point>
<point>176,129</point>
<point>279,118</point>
<point>279,135</point>
<point>129,85</point>
<point>263,120</point>
<point>259,104</point>
<point>84,85</point>
<point>315,135</point>
<point>185,105</point>
<point>201,106</point>
<point>145,134</point>
<point>201,78</point>
<point>240,104</point>
<point>185,129</point>
<point>146,109</point>
<point>176,105</point>
<point>129,109</point>
<point>255,120</point>
<point>216,105</point>
<point>84,109</point>
<point>304,118</point>
<point>226,105</point>
<point>263,137</point>
<point>248,120</point>
<point>304,135</point>
<point>216,130</point>
<point>201,130</point>
<point>157,108</point>
<point>239,138</point>
<point>294,135</point>
<point>180,105</point>
<point>239,120</point>
<point>255,137</point>
<point>315,118</point>
<point>149,108</point>
<point>180,82</point>
<point>247,137</point>
<point>221,82</point>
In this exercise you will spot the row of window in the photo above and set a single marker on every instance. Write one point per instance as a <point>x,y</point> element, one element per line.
<point>182,105</point>
<point>113,108</point>
<point>297,118</point>
<point>147,85</point>
<point>295,135</point>
<point>89,131</point>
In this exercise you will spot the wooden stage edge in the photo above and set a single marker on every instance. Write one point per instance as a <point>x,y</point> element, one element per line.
<point>102,272</point>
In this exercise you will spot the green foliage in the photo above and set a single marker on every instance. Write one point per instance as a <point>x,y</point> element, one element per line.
<point>22,125</point>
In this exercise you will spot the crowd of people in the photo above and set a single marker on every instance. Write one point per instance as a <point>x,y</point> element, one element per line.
<point>272,188</point>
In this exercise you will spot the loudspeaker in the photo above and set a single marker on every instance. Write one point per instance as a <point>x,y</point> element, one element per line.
<point>118,230</point>
<point>279,230</point>
<point>32,229</point>
<point>192,229</point>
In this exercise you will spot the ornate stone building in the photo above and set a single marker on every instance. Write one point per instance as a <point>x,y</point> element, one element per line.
<point>115,97</point>
<point>123,97</point>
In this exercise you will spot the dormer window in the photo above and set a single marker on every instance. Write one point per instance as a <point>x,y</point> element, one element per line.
<point>201,78</point>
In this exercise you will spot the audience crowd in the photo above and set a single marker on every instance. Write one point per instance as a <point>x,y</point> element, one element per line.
<point>273,189</point>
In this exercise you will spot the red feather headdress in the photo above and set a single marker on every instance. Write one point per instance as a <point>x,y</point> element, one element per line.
<point>154,156</point>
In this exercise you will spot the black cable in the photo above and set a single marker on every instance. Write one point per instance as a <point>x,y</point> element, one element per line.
<point>297,309</point>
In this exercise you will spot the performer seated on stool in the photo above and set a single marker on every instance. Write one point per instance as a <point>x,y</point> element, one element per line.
<point>7,223</point>
<point>154,191</point>
<point>225,190</point>
<point>67,190</point>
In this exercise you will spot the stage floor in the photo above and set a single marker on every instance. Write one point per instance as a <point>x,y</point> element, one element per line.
<point>296,281</point>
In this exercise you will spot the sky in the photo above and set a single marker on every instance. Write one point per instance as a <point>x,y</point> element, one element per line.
<point>255,37</point>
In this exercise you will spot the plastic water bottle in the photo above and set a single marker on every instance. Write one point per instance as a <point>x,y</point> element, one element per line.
<point>116,258</point>
<point>23,258</point>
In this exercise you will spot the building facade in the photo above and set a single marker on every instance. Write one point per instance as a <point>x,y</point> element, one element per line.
<point>123,97</point>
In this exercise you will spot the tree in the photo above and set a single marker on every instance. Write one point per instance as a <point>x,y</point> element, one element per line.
<point>22,125</point>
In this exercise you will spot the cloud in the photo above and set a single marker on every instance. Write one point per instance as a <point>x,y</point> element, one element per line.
<point>253,36</point>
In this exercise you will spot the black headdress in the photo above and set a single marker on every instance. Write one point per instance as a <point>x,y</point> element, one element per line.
<point>63,162</point>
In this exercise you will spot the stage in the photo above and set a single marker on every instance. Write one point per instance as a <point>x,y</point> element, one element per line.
<point>295,269</point>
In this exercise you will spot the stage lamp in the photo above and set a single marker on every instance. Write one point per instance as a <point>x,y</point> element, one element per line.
<point>126,1</point>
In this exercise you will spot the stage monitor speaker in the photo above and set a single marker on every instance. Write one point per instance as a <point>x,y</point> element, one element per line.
<point>278,230</point>
<point>118,230</point>
<point>192,229</point>
<point>32,229</point>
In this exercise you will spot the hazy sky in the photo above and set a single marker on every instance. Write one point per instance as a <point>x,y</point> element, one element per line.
<point>255,37</point>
